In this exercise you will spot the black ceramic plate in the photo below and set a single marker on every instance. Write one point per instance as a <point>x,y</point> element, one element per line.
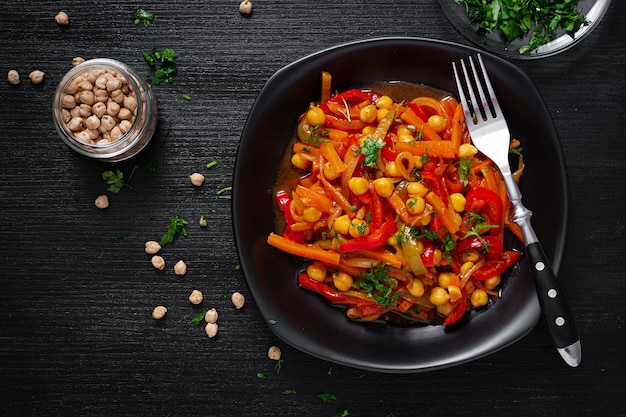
<point>305,320</point>
<point>593,10</point>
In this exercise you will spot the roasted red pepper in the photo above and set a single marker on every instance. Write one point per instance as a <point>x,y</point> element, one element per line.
<point>283,200</point>
<point>321,288</point>
<point>491,246</point>
<point>497,266</point>
<point>428,255</point>
<point>386,151</point>
<point>487,203</point>
<point>437,184</point>
<point>353,96</point>
<point>375,239</point>
<point>369,311</point>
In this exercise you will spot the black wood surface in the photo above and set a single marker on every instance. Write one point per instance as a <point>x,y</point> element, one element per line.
<point>77,289</point>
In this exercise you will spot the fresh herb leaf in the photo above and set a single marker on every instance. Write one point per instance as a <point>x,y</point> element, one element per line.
<point>516,151</point>
<point>144,17</point>
<point>464,170</point>
<point>175,227</point>
<point>272,322</point>
<point>203,221</point>
<point>288,391</point>
<point>198,319</point>
<point>115,180</point>
<point>150,165</point>
<point>220,193</point>
<point>261,375</point>
<point>211,164</point>
<point>167,68</point>
<point>119,236</point>
<point>379,285</point>
<point>326,397</point>
<point>515,19</point>
<point>279,365</point>
<point>370,148</point>
<point>187,97</point>
<point>342,413</point>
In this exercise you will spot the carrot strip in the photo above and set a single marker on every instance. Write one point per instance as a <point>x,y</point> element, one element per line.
<point>397,204</point>
<point>304,250</point>
<point>404,305</point>
<point>336,135</point>
<point>428,133</point>
<point>447,215</point>
<point>303,148</point>
<point>330,153</point>
<point>326,89</point>
<point>382,255</point>
<point>337,196</point>
<point>457,128</point>
<point>405,162</point>
<point>434,148</point>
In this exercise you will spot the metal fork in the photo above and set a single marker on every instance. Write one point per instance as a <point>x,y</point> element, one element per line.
<point>490,134</point>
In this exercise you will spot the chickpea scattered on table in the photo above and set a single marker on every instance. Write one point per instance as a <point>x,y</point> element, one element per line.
<point>238,300</point>
<point>245,7</point>
<point>196,297</point>
<point>62,18</point>
<point>159,312</point>
<point>36,77</point>
<point>102,201</point>
<point>211,316</point>
<point>158,262</point>
<point>152,247</point>
<point>13,77</point>
<point>77,60</point>
<point>274,353</point>
<point>211,329</point>
<point>180,268</point>
<point>196,179</point>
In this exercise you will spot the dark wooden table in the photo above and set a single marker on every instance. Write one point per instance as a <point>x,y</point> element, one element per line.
<point>77,289</point>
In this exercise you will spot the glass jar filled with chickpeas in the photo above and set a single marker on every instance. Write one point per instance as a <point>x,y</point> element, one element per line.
<point>103,110</point>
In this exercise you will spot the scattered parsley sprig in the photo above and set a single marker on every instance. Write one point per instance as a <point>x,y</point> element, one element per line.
<point>115,180</point>
<point>175,227</point>
<point>167,68</point>
<point>144,17</point>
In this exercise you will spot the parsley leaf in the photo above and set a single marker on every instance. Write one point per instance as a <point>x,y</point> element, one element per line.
<point>464,170</point>
<point>370,148</point>
<point>175,227</point>
<point>167,68</point>
<point>142,16</point>
<point>326,397</point>
<point>379,285</point>
<point>261,375</point>
<point>288,391</point>
<point>115,180</point>
<point>198,319</point>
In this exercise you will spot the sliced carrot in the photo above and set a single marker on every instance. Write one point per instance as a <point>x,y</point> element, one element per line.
<point>314,199</point>
<point>336,135</point>
<point>428,133</point>
<point>382,255</point>
<point>326,87</point>
<point>432,148</point>
<point>446,214</point>
<point>330,153</point>
<point>396,202</point>
<point>305,250</point>
<point>404,305</point>
<point>457,128</point>
<point>337,196</point>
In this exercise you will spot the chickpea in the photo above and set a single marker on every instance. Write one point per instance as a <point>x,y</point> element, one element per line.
<point>77,61</point>
<point>158,262</point>
<point>329,172</point>
<point>211,316</point>
<point>196,179</point>
<point>211,330</point>
<point>470,255</point>
<point>102,201</point>
<point>467,150</point>
<point>438,296</point>
<point>458,202</point>
<point>36,77</point>
<point>384,102</point>
<point>415,205</point>
<point>415,287</point>
<point>180,268</point>
<point>87,97</point>
<point>112,108</point>
<point>68,102</point>
<point>311,214</point>
<point>466,267</point>
<point>417,188</point>
<point>196,297</point>
<point>113,84</point>
<point>124,114</point>
<point>381,113</point>
<point>98,109</point>
<point>75,124</point>
<point>245,7</point>
<point>92,122</point>
<point>300,162</point>
<point>315,116</point>
<point>368,114</point>
<point>437,122</point>
<point>159,312</point>
<point>62,18</point>
<point>152,247</point>
<point>342,281</point>
<point>238,300</point>
<point>447,279</point>
<point>358,185</point>
<point>13,77</point>
<point>107,123</point>
<point>368,130</point>
<point>479,298</point>
<point>341,224</point>
<point>455,293</point>
<point>384,187</point>
<point>130,102</point>
<point>274,353</point>
<point>316,271</point>
<point>125,126</point>
<point>445,309</point>
<point>358,228</point>
<point>116,133</point>
<point>493,282</point>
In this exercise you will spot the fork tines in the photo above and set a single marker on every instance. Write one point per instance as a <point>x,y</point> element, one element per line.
<point>485,108</point>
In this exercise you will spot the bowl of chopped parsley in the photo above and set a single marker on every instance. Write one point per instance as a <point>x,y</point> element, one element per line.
<point>525,29</point>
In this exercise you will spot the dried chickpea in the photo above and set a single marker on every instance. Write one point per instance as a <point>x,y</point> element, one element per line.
<point>238,300</point>
<point>211,316</point>
<point>159,312</point>
<point>13,77</point>
<point>62,18</point>
<point>274,353</point>
<point>196,297</point>
<point>36,77</point>
<point>211,330</point>
<point>196,179</point>
<point>77,60</point>
<point>102,201</point>
<point>180,268</point>
<point>245,7</point>
<point>158,262</point>
<point>152,247</point>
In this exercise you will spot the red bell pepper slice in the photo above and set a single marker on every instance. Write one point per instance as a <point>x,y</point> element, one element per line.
<point>497,266</point>
<point>283,200</point>
<point>321,288</point>
<point>458,309</point>
<point>484,201</point>
<point>386,151</point>
<point>375,239</point>
<point>353,96</point>
<point>343,124</point>
<point>490,245</point>
<point>369,311</point>
<point>437,184</point>
<point>428,255</point>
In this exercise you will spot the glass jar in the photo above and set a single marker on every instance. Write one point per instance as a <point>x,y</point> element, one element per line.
<point>103,110</point>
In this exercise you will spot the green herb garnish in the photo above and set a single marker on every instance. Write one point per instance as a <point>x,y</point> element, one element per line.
<point>464,170</point>
<point>187,97</point>
<point>220,193</point>
<point>115,180</point>
<point>370,148</point>
<point>288,391</point>
<point>144,17</point>
<point>167,68</point>
<point>379,285</point>
<point>198,319</point>
<point>175,227</point>
<point>211,164</point>
<point>326,397</point>
<point>515,19</point>
<point>261,375</point>
<point>342,413</point>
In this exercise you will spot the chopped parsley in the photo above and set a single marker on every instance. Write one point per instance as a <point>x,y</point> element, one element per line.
<point>198,319</point>
<point>115,180</point>
<point>515,19</point>
<point>167,68</point>
<point>175,227</point>
<point>143,17</point>
<point>327,397</point>
<point>288,391</point>
<point>379,285</point>
<point>464,170</point>
<point>370,148</point>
